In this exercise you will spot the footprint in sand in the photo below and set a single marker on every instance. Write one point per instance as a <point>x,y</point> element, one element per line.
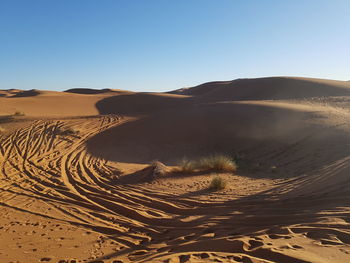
<point>184,258</point>
<point>255,244</point>
<point>138,253</point>
<point>236,258</point>
<point>344,251</point>
<point>162,249</point>
<point>188,237</point>
<point>297,247</point>
<point>202,255</point>
<point>274,236</point>
<point>330,242</point>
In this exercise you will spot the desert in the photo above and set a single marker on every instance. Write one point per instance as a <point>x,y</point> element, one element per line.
<point>120,176</point>
<point>155,131</point>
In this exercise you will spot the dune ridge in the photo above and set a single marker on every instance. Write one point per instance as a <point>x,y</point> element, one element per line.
<point>267,89</point>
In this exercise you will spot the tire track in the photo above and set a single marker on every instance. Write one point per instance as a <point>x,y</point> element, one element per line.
<point>48,162</point>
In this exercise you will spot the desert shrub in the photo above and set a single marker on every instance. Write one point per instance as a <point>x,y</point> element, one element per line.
<point>218,163</point>
<point>217,183</point>
<point>186,166</point>
<point>158,169</point>
<point>215,163</point>
<point>19,113</point>
<point>2,129</point>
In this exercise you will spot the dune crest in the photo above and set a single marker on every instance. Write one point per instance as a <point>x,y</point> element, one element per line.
<point>267,89</point>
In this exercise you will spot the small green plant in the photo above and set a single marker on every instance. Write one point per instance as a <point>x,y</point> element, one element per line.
<point>19,113</point>
<point>217,183</point>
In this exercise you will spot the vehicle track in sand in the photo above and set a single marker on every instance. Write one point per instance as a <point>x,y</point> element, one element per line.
<point>48,162</point>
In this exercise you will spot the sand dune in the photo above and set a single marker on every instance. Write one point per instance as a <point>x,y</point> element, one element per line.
<point>267,89</point>
<point>76,185</point>
<point>232,128</point>
<point>51,103</point>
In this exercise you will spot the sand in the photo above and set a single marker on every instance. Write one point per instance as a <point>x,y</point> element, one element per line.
<point>76,186</point>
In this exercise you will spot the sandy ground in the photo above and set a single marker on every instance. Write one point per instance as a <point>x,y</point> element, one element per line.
<point>75,184</point>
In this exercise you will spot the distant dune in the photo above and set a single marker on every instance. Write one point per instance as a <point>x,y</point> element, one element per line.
<point>51,103</point>
<point>267,89</point>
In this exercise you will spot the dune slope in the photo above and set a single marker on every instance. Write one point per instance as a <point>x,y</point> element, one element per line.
<point>267,89</point>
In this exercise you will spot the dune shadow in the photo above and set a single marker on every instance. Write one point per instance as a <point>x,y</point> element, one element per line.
<point>26,93</point>
<point>144,103</point>
<point>88,91</point>
<point>263,135</point>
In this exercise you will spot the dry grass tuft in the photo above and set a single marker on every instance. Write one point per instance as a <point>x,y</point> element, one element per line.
<point>158,169</point>
<point>214,163</point>
<point>217,163</point>
<point>186,166</point>
<point>217,183</point>
<point>2,129</point>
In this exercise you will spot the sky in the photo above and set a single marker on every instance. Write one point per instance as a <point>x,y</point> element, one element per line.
<point>162,45</point>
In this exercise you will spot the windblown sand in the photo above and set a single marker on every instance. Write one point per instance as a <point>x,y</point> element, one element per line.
<point>75,182</point>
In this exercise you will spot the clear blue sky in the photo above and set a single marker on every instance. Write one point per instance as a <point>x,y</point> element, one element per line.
<point>163,45</point>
